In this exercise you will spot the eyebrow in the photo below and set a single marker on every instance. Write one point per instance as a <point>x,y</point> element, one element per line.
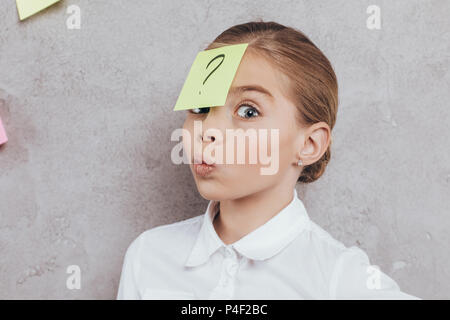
<point>257,88</point>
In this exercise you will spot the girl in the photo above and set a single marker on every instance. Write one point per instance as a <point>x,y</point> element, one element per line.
<point>255,239</point>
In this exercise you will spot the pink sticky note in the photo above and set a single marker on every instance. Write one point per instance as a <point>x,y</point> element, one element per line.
<point>3,137</point>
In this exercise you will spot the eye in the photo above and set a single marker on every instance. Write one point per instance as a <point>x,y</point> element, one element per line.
<point>199,110</point>
<point>247,111</point>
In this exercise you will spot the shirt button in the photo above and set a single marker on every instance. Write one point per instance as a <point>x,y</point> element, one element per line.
<point>231,268</point>
<point>229,252</point>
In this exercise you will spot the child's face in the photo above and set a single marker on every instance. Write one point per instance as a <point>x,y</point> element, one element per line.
<point>245,110</point>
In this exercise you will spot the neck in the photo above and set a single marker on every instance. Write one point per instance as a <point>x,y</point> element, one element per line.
<point>238,217</point>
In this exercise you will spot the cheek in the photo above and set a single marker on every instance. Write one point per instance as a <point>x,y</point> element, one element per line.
<point>279,149</point>
<point>287,137</point>
<point>188,132</point>
<point>269,145</point>
<point>279,141</point>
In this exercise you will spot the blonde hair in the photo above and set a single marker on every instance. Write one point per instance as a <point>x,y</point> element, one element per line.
<point>313,87</point>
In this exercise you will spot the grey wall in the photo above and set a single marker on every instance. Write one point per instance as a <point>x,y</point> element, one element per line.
<point>89,114</point>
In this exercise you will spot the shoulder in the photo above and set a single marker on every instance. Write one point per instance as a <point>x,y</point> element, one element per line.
<point>172,236</point>
<point>324,251</point>
<point>350,274</point>
<point>337,253</point>
<point>334,251</point>
<point>324,243</point>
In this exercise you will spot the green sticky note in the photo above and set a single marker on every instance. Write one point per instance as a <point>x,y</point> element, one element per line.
<point>210,77</point>
<point>27,8</point>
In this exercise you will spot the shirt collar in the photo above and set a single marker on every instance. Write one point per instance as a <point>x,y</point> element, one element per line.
<point>261,243</point>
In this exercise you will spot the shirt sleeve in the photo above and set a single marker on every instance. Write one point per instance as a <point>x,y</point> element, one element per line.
<point>355,278</point>
<point>128,286</point>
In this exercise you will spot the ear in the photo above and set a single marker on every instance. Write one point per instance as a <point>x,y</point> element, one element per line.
<point>317,140</point>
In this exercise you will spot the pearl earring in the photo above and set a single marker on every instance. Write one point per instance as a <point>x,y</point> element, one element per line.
<point>300,163</point>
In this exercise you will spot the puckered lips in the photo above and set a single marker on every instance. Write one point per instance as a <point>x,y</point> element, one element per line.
<point>203,169</point>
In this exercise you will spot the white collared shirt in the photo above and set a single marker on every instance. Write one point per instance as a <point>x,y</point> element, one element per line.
<point>288,257</point>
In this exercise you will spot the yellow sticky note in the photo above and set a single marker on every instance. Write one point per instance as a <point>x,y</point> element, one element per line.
<point>210,77</point>
<point>27,8</point>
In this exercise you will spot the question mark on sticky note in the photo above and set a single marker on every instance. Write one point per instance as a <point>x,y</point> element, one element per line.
<point>213,70</point>
<point>199,90</point>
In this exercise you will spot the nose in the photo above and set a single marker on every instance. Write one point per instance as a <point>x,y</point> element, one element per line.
<point>207,137</point>
<point>210,130</point>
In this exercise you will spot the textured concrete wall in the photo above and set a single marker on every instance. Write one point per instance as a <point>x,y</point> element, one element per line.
<point>89,114</point>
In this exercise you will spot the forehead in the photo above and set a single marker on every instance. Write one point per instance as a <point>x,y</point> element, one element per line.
<point>255,69</point>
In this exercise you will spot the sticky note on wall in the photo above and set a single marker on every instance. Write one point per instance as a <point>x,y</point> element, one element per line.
<point>3,137</point>
<point>27,8</point>
<point>210,77</point>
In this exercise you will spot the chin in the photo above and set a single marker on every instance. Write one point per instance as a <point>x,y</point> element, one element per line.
<point>211,190</point>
